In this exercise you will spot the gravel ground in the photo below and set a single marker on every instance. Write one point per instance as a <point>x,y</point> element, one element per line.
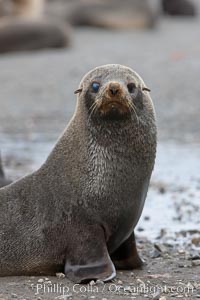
<point>37,100</point>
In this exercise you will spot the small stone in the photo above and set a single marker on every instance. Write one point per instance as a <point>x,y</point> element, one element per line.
<point>139,281</point>
<point>162,190</point>
<point>155,254</point>
<point>92,282</point>
<point>196,262</point>
<point>181,251</point>
<point>48,282</point>
<point>195,241</point>
<point>63,297</point>
<point>40,280</point>
<point>182,265</point>
<point>162,298</point>
<point>127,289</point>
<point>160,248</point>
<point>120,282</point>
<point>140,229</point>
<point>60,275</point>
<point>194,255</point>
<point>99,282</point>
<point>156,296</point>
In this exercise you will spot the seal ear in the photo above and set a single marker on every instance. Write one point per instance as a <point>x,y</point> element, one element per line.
<point>78,91</point>
<point>146,89</point>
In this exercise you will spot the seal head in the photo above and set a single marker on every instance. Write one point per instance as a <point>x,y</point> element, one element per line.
<point>113,93</point>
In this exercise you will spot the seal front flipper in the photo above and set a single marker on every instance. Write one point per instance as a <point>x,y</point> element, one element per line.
<point>126,256</point>
<point>90,260</point>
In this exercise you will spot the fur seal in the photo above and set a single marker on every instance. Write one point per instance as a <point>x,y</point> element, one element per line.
<point>115,14</point>
<point>25,28</point>
<point>77,213</point>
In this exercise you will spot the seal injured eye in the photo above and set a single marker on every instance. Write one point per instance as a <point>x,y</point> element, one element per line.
<point>95,86</point>
<point>131,87</point>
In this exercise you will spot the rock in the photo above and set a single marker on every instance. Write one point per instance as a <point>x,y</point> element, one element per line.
<point>157,295</point>
<point>196,263</point>
<point>196,241</point>
<point>155,253</point>
<point>193,255</point>
<point>100,282</point>
<point>161,248</point>
<point>60,275</point>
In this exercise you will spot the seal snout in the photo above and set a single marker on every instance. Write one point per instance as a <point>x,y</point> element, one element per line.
<point>114,100</point>
<point>114,89</point>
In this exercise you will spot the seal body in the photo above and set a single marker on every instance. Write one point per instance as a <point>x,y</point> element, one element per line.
<point>77,213</point>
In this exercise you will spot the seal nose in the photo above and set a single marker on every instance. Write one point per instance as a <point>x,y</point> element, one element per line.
<point>114,88</point>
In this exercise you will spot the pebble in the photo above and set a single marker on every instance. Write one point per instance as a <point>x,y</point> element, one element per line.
<point>195,240</point>
<point>181,251</point>
<point>99,282</point>
<point>40,280</point>
<point>196,262</point>
<point>60,275</point>
<point>139,281</point>
<point>160,248</point>
<point>155,253</point>
<point>162,190</point>
<point>156,296</point>
<point>92,282</point>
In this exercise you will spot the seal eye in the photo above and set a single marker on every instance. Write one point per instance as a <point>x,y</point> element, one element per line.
<point>95,86</point>
<point>131,87</point>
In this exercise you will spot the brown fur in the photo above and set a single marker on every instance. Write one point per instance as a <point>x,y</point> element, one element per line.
<point>80,208</point>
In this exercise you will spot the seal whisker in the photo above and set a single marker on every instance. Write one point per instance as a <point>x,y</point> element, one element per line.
<point>132,106</point>
<point>93,108</point>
